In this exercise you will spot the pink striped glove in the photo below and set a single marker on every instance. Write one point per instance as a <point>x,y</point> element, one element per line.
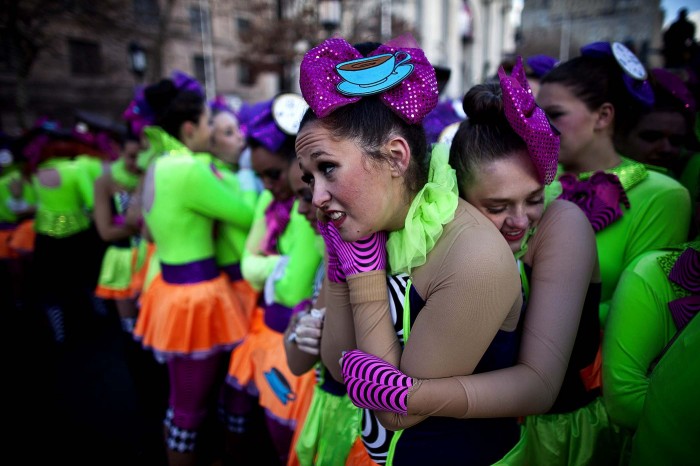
<point>333,270</point>
<point>364,255</point>
<point>373,383</point>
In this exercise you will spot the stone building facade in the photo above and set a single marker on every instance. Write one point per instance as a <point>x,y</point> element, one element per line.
<point>561,27</point>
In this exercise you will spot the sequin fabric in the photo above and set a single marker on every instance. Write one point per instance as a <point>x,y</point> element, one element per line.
<point>411,99</point>
<point>530,122</point>
<point>629,172</point>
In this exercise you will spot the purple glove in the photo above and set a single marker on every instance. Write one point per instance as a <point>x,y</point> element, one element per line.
<point>364,255</point>
<point>373,383</point>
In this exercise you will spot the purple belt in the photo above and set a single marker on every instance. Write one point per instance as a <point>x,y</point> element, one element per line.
<point>233,271</point>
<point>192,272</point>
<point>277,316</point>
<point>7,226</point>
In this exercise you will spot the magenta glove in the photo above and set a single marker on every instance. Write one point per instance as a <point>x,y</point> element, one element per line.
<point>373,383</point>
<point>364,255</point>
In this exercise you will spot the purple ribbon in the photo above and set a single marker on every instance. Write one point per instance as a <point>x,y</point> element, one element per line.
<point>277,316</point>
<point>686,273</point>
<point>192,272</point>
<point>530,122</point>
<point>277,217</point>
<point>412,99</point>
<point>675,86</point>
<point>599,197</point>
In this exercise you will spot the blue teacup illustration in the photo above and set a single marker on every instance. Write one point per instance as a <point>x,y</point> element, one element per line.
<point>371,71</point>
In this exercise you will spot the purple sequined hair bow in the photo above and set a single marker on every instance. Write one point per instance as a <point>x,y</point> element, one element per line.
<point>530,122</point>
<point>411,99</point>
<point>640,89</point>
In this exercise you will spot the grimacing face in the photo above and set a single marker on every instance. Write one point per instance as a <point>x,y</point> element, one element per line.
<point>347,189</point>
<point>508,192</point>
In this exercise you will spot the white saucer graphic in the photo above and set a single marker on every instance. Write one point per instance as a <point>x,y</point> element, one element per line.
<point>399,74</point>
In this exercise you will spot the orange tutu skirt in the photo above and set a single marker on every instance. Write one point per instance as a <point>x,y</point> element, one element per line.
<point>248,298</point>
<point>192,319</point>
<point>6,252</point>
<point>22,240</point>
<point>259,366</point>
<point>142,254</point>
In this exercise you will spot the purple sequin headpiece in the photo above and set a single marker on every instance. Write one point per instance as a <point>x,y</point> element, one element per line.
<point>529,121</point>
<point>257,123</point>
<point>638,86</point>
<point>409,88</point>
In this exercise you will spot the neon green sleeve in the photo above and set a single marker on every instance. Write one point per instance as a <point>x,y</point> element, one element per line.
<point>668,430</point>
<point>638,328</point>
<point>211,197</point>
<point>256,266</point>
<point>298,243</point>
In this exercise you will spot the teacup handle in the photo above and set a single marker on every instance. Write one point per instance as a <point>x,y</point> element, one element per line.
<point>405,59</point>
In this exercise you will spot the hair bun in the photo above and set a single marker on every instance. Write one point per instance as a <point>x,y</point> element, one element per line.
<point>483,103</point>
<point>160,95</point>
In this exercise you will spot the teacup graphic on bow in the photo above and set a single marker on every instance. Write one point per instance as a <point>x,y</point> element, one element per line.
<point>372,75</point>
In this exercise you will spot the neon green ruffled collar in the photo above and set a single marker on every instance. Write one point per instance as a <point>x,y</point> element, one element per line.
<point>123,177</point>
<point>433,207</point>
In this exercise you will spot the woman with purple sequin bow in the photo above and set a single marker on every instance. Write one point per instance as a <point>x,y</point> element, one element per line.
<point>398,238</point>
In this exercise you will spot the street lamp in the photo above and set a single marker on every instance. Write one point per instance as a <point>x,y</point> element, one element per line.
<point>137,60</point>
<point>329,14</point>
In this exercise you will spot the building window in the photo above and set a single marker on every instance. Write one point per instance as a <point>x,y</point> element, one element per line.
<point>84,57</point>
<point>242,26</point>
<point>199,20</point>
<point>200,63</point>
<point>245,74</point>
<point>146,11</point>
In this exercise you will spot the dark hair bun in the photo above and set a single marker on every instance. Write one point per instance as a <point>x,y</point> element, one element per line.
<point>160,95</point>
<point>483,103</point>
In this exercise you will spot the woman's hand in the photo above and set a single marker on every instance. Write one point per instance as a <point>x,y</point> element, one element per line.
<point>307,331</point>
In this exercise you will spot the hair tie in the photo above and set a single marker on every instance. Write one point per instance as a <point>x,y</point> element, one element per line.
<point>335,74</point>
<point>530,122</point>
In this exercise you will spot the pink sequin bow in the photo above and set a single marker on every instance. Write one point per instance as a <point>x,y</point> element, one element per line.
<point>530,122</point>
<point>411,99</point>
